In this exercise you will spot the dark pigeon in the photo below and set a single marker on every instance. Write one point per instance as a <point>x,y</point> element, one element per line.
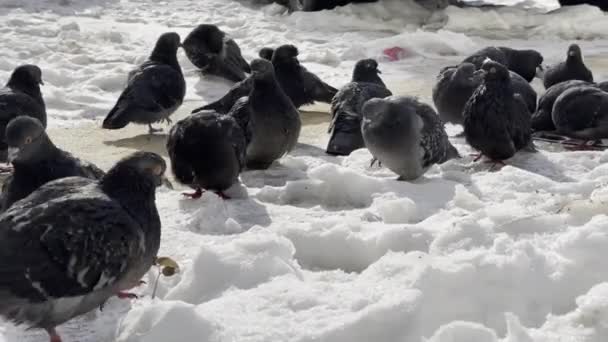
<point>572,69</point>
<point>207,152</point>
<point>21,96</point>
<point>226,102</point>
<point>582,113</point>
<point>300,85</point>
<point>405,135</point>
<point>456,84</point>
<point>75,242</point>
<point>454,87</point>
<point>523,62</point>
<point>269,119</point>
<point>37,161</point>
<point>212,51</point>
<point>541,119</point>
<point>266,53</point>
<point>497,121</point>
<point>154,91</point>
<point>347,105</point>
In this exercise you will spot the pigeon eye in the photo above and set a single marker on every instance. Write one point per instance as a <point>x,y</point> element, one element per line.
<point>28,140</point>
<point>493,70</point>
<point>157,170</point>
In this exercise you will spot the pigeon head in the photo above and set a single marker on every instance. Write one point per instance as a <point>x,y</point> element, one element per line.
<point>285,54</point>
<point>366,70</point>
<point>166,47</point>
<point>26,140</point>
<point>205,37</point>
<point>574,52</point>
<point>391,110</point>
<point>466,74</point>
<point>495,72</point>
<point>139,170</point>
<point>525,63</point>
<point>266,53</point>
<point>25,77</point>
<point>261,68</point>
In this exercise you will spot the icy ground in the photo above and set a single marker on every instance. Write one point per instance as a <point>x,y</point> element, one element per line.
<point>327,249</point>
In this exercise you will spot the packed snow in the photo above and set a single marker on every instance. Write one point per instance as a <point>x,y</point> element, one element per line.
<point>322,248</point>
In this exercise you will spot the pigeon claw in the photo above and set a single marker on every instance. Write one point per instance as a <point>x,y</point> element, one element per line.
<point>153,130</point>
<point>6,169</point>
<point>53,336</point>
<point>126,295</point>
<point>194,195</point>
<point>476,156</point>
<point>222,195</point>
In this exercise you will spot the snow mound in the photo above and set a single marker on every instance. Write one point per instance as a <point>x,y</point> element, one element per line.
<point>167,321</point>
<point>245,262</point>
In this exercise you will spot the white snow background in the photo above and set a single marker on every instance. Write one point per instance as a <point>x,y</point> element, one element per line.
<point>326,249</point>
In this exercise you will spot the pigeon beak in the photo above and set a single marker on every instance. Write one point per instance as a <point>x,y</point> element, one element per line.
<point>166,182</point>
<point>571,53</point>
<point>13,152</point>
<point>540,72</point>
<point>479,74</point>
<point>378,71</point>
<point>41,82</point>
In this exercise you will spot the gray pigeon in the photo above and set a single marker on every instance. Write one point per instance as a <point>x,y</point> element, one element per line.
<point>269,119</point>
<point>21,96</point>
<point>36,161</point>
<point>582,113</point>
<point>346,107</point>
<point>154,91</point>
<point>572,69</point>
<point>541,119</point>
<point>496,120</point>
<point>405,135</point>
<point>75,242</point>
<point>210,50</point>
<point>207,152</point>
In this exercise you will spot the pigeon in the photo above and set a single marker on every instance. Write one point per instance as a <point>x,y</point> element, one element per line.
<point>75,242</point>
<point>406,135</point>
<point>21,96</point>
<point>269,120</point>
<point>207,152</point>
<point>299,84</point>
<point>572,69</point>
<point>225,104</point>
<point>582,113</point>
<point>302,86</point>
<point>456,84</point>
<point>346,106</point>
<point>154,91</point>
<point>454,87</point>
<point>541,119</point>
<point>212,51</point>
<point>36,161</point>
<point>497,121</point>
<point>266,53</point>
<point>526,63</point>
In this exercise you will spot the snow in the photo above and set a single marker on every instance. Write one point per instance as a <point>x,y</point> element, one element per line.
<point>322,248</point>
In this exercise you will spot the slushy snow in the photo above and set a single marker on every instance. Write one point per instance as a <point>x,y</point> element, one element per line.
<point>322,248</point>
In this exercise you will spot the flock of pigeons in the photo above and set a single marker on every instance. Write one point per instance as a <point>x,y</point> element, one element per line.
<point>72,235</point>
